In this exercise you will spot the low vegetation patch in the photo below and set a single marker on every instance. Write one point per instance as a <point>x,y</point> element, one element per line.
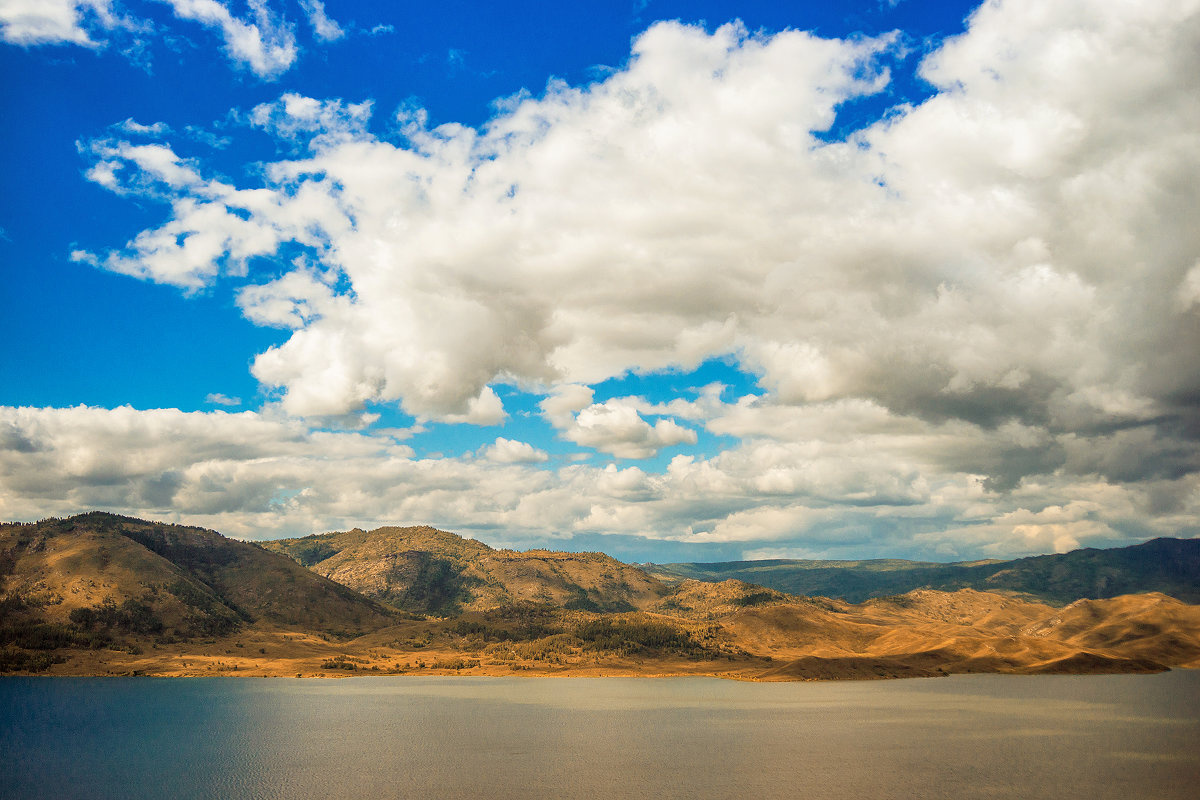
<point>582,602</point>
<point>312,553</point>
<point>756,599</point>
<point>15,660</point>
<point>455,663</point>
<point>631,636</point>
<point>431,585</point>
<point>557,649</point>
<point>132,616</point>
<point>508,625</point>
<point>40,635</point>
<point>342,662</point>
<point>208,616</point>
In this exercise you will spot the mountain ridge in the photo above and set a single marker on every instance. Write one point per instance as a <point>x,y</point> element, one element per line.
<point>100,594</point>
<point>425,570</point>
<point>1164,564</point>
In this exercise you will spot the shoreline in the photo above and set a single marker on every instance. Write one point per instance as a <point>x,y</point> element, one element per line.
<point>302,657</point>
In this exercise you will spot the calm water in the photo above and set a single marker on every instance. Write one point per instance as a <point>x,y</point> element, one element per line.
<point>960,737</point>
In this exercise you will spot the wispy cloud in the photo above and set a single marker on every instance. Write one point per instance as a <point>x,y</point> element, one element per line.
<point>264,42</point>
<point>131,127</point>
<point>261,41</point>
<point>219,399</point>
<point>324,28</point>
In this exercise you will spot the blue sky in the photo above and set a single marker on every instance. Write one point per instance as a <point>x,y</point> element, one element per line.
<point>671,280</point>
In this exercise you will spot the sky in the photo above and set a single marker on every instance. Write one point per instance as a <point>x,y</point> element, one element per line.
<point>696,281</point>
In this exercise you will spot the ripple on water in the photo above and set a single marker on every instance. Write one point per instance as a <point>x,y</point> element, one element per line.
<point>1067,737</point>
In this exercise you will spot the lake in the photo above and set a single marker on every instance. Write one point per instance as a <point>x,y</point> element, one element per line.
<point>970,736</point>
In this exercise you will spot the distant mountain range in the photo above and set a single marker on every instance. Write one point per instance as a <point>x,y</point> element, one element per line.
<point>100,594</point>
<point>1170,566</point>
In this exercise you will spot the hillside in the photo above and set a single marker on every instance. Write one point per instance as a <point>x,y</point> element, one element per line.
<point>1170,566</point>
<point>101,595</point>
<point>427,571</point>
<point>929,632</point>
<point>99,579</point>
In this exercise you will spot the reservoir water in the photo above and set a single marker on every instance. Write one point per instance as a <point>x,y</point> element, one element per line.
<point>977,736</point>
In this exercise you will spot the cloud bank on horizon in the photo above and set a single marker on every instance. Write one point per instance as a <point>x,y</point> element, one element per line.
<point>969,327</point>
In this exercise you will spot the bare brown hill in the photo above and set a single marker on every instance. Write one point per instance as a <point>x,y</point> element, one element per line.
<point>99,579</point>
<point>929,632</point>
<point>1151,626</point>
<point>428,571</point>
<point>99,594</point>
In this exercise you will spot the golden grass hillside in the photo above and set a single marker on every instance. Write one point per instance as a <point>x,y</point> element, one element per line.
<point>427,571</point>
<point>98,594</point>
<point>101,581</point>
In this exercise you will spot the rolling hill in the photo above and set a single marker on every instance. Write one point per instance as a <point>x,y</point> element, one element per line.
<point>427,571</point>
<point>99,578</point>
<point>1170,566</point>
<point>99,594</point>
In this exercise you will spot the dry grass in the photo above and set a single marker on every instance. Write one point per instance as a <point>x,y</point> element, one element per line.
<point>525,617</point>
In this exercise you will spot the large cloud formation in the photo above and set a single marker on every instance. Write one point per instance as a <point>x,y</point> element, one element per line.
<point>976,322</point>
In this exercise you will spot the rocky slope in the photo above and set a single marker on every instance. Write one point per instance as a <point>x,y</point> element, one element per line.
<point>99,594</point>
<point>424,570</point>
<point>98,579</point>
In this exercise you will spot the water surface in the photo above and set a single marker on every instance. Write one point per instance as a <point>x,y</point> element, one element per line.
<point>978,736</point>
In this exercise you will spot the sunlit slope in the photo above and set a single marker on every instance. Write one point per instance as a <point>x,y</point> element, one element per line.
<point>99,594</point>
<point>425,570</point>
<point>1152,626</point>
<point>166,580</point>
<point>1170,566</point>
<point>928,632</point>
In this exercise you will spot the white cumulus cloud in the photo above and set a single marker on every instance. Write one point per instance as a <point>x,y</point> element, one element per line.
<point>34,22</point>
<point>259,476</point>
<point>511,451</point>
<point>986,254</point>
<point>980,305</point>
<point>616,428</point>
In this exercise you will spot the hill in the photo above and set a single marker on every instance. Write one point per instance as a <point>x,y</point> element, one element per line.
<point>929,632</point>
<point>427,571</point>
<point>99,595</point>
<point>1170,566</point>
<point>98,579</point>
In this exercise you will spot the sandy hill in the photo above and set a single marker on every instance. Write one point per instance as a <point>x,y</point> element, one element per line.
<point>427,571</point>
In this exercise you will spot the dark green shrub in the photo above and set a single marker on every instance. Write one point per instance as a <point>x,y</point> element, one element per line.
<point>339,662</point>
<point>14,660</point>
<point>627,636</point>
<point>38,635</point>
<point>755,599</point>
